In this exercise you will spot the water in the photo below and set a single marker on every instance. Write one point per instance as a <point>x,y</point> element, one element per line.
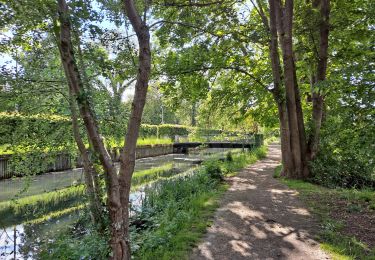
<point>29,237</point>
<point>12,188</point>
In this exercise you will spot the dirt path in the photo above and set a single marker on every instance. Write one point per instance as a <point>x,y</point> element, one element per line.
<point>260,218</point>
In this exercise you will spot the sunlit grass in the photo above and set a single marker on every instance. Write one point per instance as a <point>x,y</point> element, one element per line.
<point>320,200</point>
<point>33,207</point>
<point>146,176</point>
<point>153,141</point>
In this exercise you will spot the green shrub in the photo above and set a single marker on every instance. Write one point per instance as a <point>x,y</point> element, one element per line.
<point>331,171</point>
<point>213,169</point>
<point>347,150</point>
<point>229,157</point>
<point>148,130</point>
<point>72,245</point>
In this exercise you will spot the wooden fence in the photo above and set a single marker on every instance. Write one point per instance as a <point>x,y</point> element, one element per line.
<point>4,172</point>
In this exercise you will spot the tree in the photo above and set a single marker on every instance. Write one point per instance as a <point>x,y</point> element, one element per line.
<point>235,43</point>
<point>118,187</point>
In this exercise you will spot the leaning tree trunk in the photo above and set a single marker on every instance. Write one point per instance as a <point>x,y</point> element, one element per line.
<point>90,173</point>
<point>128,155</point>
<point>117,242</point>
<point>88,168</point>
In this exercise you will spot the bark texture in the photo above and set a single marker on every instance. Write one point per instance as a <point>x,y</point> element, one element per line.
<point>278,88</point>
<point>88,168</point>
<point>117,243</point>
<point>128,155</point>
<point>321,73</point>
<point>284,24</point>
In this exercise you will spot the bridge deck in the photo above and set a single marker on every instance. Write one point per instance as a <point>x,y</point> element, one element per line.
<point>214,145</point>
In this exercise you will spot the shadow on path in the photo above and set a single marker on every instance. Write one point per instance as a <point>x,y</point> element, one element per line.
<point>260,218</point>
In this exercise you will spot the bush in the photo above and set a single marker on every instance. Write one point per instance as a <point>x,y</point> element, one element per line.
<point>346,156</point>
<point>229,157</point>
<point>213,169</point>
<point>346,171</point>
<point>77,242</point>
<point>148,130</point>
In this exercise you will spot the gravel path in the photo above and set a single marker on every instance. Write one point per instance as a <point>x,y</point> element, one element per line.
<point>260,218</point>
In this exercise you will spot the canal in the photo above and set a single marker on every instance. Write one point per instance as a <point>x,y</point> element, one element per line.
<point>22,240</point>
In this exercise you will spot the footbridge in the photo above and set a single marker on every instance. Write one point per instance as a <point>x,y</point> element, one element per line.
<point>256,141</point>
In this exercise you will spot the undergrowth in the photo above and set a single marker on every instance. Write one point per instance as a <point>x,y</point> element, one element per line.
<point>322,202</point>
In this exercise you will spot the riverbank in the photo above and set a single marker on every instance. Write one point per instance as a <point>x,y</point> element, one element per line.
<point>49,208</point>
<point>173,216</point>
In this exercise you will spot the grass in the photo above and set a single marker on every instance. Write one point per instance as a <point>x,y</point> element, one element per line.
<point>181,221</point>
<point>178,211</point>
<point>149,175</point>
<point>153,141</point>
<point>323,202</point>
<point>36,206</point>
<point>272,139</point>
<point>240,160</point>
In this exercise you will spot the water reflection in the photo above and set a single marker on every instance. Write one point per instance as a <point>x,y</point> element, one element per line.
<point>24,241</point>
<point>11,188</point>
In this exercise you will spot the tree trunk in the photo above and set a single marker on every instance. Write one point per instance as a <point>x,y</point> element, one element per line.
<point>277,90</point>
<point>284,20</point>
<point>284,139</point>
<point>321,73</point>
<point>305,172</point>
<point>128,155</point>
<point>117,243</point>
<point>88,168</point>
<point>193,114</point>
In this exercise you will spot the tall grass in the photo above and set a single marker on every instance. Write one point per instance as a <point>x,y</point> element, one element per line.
<point>33,207</point>
<point>146,176</point>
<point>174,216</point>
<point>153,141</point>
